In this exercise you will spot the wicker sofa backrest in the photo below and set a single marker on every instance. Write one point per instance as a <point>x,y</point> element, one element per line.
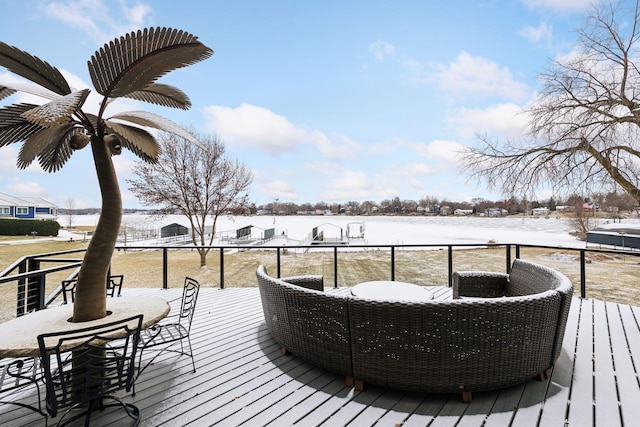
<point>315,282</point>
<point>311,324</point>
<point>527,278</point>
<point>444,346</point>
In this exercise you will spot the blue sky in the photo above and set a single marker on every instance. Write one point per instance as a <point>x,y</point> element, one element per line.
<point>324,100</point>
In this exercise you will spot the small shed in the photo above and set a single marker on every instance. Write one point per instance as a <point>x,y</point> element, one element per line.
<point>244,232</point>
<point>174,229</point>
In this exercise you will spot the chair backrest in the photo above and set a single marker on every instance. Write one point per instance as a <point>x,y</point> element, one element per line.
<point>83,365</point>
<point>69,290</point>
<point>189,298</point>
<point>114,285</point>
<point>114,288</point>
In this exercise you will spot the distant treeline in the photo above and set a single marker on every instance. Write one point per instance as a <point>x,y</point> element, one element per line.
<point>609,202</point>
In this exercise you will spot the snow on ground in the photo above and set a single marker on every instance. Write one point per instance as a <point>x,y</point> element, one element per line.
<point>390,230</point>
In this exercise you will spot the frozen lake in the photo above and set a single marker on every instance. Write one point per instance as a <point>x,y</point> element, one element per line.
<point>387,230</point>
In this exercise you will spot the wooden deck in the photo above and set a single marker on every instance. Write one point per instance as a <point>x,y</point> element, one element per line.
<point>243,379</point>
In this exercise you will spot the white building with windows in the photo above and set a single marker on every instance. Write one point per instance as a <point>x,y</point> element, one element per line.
<point>26,207</point>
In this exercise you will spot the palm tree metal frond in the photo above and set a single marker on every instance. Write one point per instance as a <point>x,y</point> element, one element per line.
<point>57,112</point>
<point>37,142</point>
<point>14,127</point>
<point>138,141</point>
<point>58,152</point>
<point>161,94</point>
<point>134,61</point>
<point>33,68</point>
<point>6,92</point>
<point>155,121</point>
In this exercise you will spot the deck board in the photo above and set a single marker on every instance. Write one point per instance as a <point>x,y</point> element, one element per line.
<point>243,379</point>
<point>627,383</point>
<point>606,393</point>
<point>581,392</point>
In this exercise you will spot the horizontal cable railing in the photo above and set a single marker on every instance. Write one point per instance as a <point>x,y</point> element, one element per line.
<point>30,274</point>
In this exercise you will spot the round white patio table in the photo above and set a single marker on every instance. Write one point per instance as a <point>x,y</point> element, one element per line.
<point>19,336</point>
<point>388,290</point>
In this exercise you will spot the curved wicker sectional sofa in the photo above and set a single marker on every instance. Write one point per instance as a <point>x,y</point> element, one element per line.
<point>499,330</point>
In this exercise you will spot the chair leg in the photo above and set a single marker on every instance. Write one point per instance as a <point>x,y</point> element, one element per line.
<point>193,362</point>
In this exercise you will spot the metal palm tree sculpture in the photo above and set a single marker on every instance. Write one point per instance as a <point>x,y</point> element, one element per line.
<point>127,67</point>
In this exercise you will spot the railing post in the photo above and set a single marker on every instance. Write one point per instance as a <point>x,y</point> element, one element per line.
<point>221,268</point>
<point>517,251</point>
<point>508,258</point>
<point>35,287</point>
<point>21,298</point>
<point>393,263</point>
<point>450,264</point>
<point>278,262</point>
<point>335,267</point>
<point>583,279</point>
<point>165,269</point>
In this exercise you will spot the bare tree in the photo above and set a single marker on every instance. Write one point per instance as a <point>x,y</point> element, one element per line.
<point>199,181</point>
<point>584,129</point>
<point>70,206</point>
<point>582,221</point>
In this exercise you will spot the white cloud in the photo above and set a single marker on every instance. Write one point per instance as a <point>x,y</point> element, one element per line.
<point>475,75</point>
<point>340,147</point>
<point>440,149</point>
<point>341,183</point>
<point>8,159</point>
<point>505,120</point>
<point>137,14</point>
<point>275,183</point>
<point>278,189</point>
<point>381,50</point>
<point>560,5</point>
<point>542,34</point>
<point>21,188</point>
<point>252,126</point>
<point>98,18</point>
<point>349,185</point>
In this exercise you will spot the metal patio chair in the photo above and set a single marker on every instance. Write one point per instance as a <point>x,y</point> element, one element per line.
<point>15,375</point>
<point>163,336</point>
<point>114,288</point>
<point>84,367</point>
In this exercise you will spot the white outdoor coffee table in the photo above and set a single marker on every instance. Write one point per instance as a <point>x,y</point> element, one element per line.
<point>387,290</point>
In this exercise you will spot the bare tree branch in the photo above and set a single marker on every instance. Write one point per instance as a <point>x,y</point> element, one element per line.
<point>584,126</point>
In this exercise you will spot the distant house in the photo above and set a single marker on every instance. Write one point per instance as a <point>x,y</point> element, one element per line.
<point>539,211</point>
<point>26,208</point>
<point>496,212</point>
<point>463,212</point>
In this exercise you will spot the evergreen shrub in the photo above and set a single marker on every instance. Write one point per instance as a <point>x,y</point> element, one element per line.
<point>25,227</point>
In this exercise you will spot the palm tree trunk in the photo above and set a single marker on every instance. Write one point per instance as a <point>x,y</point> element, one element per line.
<point>91,297</point>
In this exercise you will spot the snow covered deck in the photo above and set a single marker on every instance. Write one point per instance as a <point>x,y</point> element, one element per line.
<point>243,379</point>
